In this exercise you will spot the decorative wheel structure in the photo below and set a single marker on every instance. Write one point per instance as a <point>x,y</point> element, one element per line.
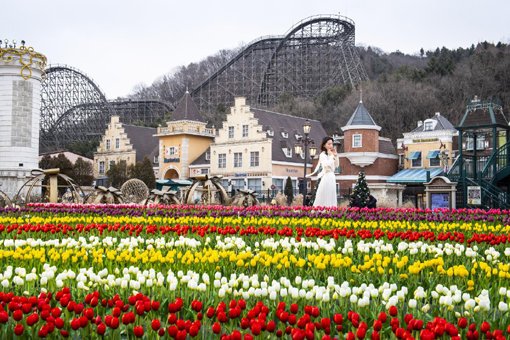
<point>103,195</point>
<point>206,190</point>
<point>54,186</point>
<point>245,198</point>
<point>163,196</point>
<point>134,191</point>
<point>5,201</point>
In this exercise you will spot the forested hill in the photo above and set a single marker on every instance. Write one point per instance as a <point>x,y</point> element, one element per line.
<point>402,88</point>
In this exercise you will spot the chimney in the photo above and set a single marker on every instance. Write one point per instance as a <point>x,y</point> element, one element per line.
<point>420,123</point>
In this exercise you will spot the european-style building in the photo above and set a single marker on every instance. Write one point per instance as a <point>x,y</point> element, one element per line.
<point>425,152</point>
<point>183,140</point>
<point>255,149</point>
<point>125,142</point>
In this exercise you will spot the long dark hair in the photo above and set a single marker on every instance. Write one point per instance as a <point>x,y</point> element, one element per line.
<point>324,141</point>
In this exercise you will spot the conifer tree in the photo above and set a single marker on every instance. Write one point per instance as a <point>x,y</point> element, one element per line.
<point>289,190</point>
<point>361,192</point>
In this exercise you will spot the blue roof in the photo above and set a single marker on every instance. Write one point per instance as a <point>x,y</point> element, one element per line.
<point>414,175</point>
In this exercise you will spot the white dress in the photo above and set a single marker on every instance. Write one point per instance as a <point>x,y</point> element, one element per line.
<point>326,191</point>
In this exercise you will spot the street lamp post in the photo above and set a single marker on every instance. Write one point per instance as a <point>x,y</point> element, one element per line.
<point>298,148</point>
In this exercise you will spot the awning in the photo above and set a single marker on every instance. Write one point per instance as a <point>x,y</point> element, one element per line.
<point>414,175</point>
<point>414,155</point>
<point>433,154</point>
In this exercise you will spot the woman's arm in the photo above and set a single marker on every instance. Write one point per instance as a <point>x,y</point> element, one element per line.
<point>321,158</point>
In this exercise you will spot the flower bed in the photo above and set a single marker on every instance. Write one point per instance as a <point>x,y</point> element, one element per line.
<point>265,272</point>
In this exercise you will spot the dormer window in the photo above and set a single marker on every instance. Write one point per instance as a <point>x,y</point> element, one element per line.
<point>287,152</point>
<point>297,136</point>
<point>270,133</point>
<point>429,125</point>
<point>285,134</point>
<point>207,155</point>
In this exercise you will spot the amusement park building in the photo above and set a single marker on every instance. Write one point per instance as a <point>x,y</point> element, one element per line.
<point>425,152</point>
<point>254,149</point>
<point>183,140</point>
<point>123,142</point>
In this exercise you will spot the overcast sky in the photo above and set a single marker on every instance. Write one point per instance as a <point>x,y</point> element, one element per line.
<point>121,43</point>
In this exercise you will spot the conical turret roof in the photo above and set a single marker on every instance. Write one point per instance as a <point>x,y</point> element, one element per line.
<point>361,118</point>
<point>187,110</point>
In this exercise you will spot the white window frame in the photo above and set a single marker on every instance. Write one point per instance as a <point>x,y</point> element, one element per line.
<point>101,167</point>
<point>470,143</point>
<point>222,161</point>
<point>270,132</point>
<point>204,171</point>
<point>117,143</point>
<point>254,159</point>
<point>439,161</point>
<point>238,159</point>
<point>287,152</point>
<point>108,144</point>
<point>480,142</point>
<point>171,151</point>
<point>420,159</point>
<point>207,156</point>
<point>230,132</point>
<point>401,159</point>
<point>245,130</point>
<point>285,134</point>
<point>354,145</point>
<point>428,126</point>
<point>156,159</point>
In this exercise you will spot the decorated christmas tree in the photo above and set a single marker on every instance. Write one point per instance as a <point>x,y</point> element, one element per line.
<point>361,192</point>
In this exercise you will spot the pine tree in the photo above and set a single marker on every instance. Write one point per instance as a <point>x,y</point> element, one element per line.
<point>361,192</point>
<point>289,191</point>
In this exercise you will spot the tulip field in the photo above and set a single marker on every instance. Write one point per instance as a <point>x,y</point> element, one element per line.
<point>213,272</point>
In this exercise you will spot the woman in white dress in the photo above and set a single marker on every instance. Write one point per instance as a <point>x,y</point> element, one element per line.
<point>328,160</point>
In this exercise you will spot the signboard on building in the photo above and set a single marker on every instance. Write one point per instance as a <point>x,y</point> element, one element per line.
<point>474,195</point>
<point>172,160</point>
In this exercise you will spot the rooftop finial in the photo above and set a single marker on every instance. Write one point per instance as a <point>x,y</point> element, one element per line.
<point>187,89</point>
<point>360,94</point>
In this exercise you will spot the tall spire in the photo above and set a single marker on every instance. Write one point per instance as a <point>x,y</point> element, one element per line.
<point>360,94</point>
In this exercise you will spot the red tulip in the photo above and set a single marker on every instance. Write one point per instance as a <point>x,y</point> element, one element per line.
<point>18,330</point>
<point>138,330</point>
<point>485,327</point>
<point>155,324</point>
<point>393,311</point>
<point>101,329</point>
<point>216,328</point>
